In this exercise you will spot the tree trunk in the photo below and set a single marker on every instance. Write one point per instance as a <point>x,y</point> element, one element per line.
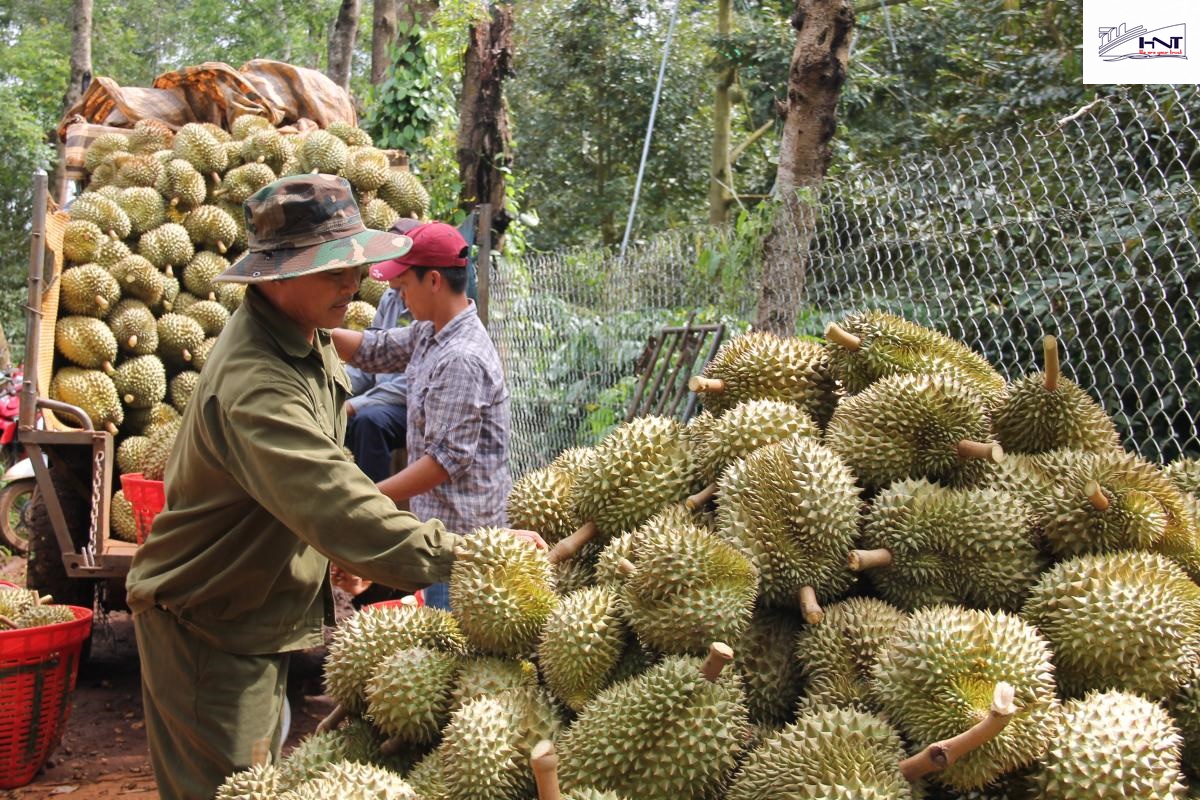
<point>483,135</point>
<point>383,36</point>
<point>815,79</point>
<point>720,175</point>
<point>77,83</point>
<point>341,43</point>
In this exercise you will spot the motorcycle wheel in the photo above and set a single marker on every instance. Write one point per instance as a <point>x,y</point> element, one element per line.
<point>14,515</point>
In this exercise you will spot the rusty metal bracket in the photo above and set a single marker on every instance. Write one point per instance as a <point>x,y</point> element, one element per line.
<point>666,363</point>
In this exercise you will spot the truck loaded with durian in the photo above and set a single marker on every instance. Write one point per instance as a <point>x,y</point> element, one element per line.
<point>123,311</point>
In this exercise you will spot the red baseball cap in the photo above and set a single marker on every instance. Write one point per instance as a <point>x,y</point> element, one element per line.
<point>434,244</point>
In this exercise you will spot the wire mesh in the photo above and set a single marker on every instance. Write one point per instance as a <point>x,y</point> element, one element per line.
<point>1086,228</point>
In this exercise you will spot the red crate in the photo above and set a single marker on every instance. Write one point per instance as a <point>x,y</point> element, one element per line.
<point>37,674</point>
<point>147,498</point>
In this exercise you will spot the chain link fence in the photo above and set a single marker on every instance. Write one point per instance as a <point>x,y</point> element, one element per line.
<point>1086,227</point>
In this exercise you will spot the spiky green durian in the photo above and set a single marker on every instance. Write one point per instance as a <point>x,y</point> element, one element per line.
<point>1185,474</point>
<point>638,469</point>
<point>141,381</point>
<point>14,601</point>
<point>348,780</point>
<point>355,741</point>
<point>112,252</point>
<point>371,291</point>
<point>86,342</point>
<point>267,147</point>
<point>378,215</point>
<point>607,570</point>
<point>256,783</point>
<point>1111,745</point>
<point>762,366</point>
<point>581,643</point>
<point>199,273</point>
<point>793,506</point>
<point>150,136</point>
<point>138,171</point>
<point>685,588</point>
<point>121,519</point>
<point>133,324</point>
<point>873,345</point>
<point>914,426</point>
<point>231,295</point>
<point>211,315</point>
<point>144,207</point>
<point>502,589</point>
<point>181,185</point>
<point>577,572</point>
<point>837,657</point>
<point>404,193</point>
<point>82,240</point>
<point>488,675</point>
<point>924,544</point>
<point>1046,411</point>
<point>209,226</point>
<point>1118,621</point>
<point>825,754</point>
<point>182,387</point>
<point>770,672</point>
<point>366,168</point>
<point>158,449</point>
<point>102,147</point>
<point>243,181</point>
<point>352,135</point>
<point>667,734</point>
<point>201,147</point>
<point>426,777</point>
<point>200,357</point>
<point>359,315</point>
<point>139,279</point>
<point>410,693</point>
<point>1184,706</point>
<point>746,427</point>
<point>486,745</point>
<point>143,421</point>
<point>361,642</point>
<point>936,677</point>
<point>248,124</point>
<point>541,501</point>
<point>130,453</point>
<point>103,212</point>
<point>178,338</point>
<point>593,794</point>
<point>167,246</point>
<point>322,152</point>
<point>92,391</point>
<point>36,616</point>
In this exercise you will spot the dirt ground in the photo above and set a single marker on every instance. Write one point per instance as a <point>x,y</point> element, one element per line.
<point>103,750</point>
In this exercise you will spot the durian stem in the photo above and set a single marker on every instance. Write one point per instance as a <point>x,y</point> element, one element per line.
<point>565,548</point>
<point>391,746</point>
<point>169,271</point>
<point>701,384</point>
<point>43,600</point>
<point>719,654</point>
<point>222,247</point>
<point>701,497</point>
<point>187,354</point>
<point>111,427</point>
<point>968,449</point>
<point>7,623</point>
<point>860,560</point>
<point>813,613</point>
<point>1050,348</point>
<point>333,720</point>
<point>101,303</point>
<point>544,762</point>
<point>216,178</point>
<point>174,202</point>
<point>626,567</point>
<point>940,755</point>
<point>1096,495</point>
<point>839,335</point>
<point>133,340</point>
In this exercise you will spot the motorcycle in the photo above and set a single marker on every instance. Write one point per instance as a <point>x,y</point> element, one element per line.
<point>18,479</point>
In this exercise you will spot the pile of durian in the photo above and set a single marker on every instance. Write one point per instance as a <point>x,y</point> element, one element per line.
<point>25,608</point>
<point>931,583</point>
<point>160,218</point>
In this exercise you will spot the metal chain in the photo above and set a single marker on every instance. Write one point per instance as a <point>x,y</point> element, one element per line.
<point>89,550</point>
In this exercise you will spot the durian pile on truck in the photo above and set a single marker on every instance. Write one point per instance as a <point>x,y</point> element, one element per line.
<point>123,309</point>
<point>870,568</point>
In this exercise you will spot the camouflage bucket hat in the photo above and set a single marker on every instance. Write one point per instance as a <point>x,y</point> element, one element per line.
<point>304,224</point>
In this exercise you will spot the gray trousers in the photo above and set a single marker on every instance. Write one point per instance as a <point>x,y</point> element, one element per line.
<point>208,713</point>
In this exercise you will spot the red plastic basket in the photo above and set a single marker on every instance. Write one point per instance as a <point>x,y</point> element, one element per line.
<point>147,498</point>
<point>37,674</point>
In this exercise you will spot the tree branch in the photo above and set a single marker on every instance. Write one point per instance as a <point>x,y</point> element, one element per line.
<point>751,139</point>
<point>871,5</point>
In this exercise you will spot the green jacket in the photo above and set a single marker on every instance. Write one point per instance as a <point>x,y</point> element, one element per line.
<point>260,495</point>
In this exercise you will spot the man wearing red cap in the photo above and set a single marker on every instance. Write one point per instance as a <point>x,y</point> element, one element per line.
<point>458,408</point>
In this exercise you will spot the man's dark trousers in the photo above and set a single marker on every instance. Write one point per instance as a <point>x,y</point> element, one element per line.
<point>373,433</point>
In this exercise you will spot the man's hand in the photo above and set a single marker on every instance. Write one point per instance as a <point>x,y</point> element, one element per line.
<point>349,409</point>
<point>529,536</point>
<point>350,584</point>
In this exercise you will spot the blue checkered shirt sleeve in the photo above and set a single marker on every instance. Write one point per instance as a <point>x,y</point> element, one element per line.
<point>386,351</point>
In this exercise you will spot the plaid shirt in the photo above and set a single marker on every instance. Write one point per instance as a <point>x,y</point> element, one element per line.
<point>457,413</point>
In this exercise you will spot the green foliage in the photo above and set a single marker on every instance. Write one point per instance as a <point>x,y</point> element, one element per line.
<point>409,102</point>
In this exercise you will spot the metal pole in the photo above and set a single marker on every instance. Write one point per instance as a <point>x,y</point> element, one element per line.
<point>483,260</point>
<point>33,306</point>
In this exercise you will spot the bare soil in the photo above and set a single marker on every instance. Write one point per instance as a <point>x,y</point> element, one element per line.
<point>103,751</point>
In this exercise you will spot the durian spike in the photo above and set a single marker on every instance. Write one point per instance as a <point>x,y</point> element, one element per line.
<point>569,546</point>
<point>1050,348</point>
<point>839,335</point>
<point>1096,495</point>
<point>990,450</point>
<point>701,497</point>
<point>544,762</point>
<point>391,746</point>
<point>813,613</point>
<point>699,383</point>
<point>860,560</point>
<point>626,567</point>
<point>5,622</point>
<point>333,720</point>
<point>719,654</point>
<point>940,755</point>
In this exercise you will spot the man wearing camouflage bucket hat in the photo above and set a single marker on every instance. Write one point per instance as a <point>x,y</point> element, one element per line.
<point>261,497</point>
